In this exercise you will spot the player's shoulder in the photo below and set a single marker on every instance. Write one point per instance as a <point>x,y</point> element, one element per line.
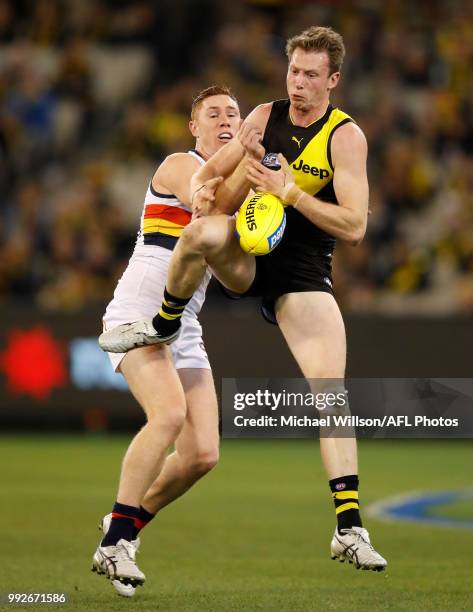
<point>178,164</point>
<point>265,108</point>
<point>173,170</point>
<point>348,134</point>
<point>178,160</point>
<point>260,114</point>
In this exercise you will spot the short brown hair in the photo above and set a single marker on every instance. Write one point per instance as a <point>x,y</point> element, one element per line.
<point>213,90</point>
<point>318,38</point>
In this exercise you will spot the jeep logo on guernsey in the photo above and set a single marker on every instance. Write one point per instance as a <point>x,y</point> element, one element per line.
<point>311,170</point>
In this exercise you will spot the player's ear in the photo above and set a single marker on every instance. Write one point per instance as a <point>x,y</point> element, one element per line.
<point>333,80</point>
<point>193,128</point>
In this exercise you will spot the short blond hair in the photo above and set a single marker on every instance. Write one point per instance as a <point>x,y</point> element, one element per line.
<point>213,90</point>
<point>317,38</point>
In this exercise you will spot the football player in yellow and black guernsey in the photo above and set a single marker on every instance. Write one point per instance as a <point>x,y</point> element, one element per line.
<point>321,154</point>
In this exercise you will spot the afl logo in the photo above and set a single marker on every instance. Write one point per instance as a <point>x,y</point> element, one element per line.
<point>340,486</point>
<point>271,161</point>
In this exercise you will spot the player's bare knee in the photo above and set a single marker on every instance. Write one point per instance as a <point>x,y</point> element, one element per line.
<point>202,462</point>
<point>169,422</point>
<point>202,236</point>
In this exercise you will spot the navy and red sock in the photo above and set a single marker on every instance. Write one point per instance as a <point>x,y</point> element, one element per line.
<point>143,518</point>
<point>127,522</point>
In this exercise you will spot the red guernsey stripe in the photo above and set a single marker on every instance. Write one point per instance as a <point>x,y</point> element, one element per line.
<point>169,213</point>
<point>118,515</point>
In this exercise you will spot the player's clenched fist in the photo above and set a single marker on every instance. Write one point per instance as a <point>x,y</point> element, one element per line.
<point>250,136</point>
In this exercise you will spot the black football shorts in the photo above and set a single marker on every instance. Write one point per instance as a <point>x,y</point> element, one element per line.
<point>290,268</point>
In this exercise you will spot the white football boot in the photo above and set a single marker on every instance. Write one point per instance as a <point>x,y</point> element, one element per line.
<point>354,546</point>
<point>132,335</point>
<point>118,562</point>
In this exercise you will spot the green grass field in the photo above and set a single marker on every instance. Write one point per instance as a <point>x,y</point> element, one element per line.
<point>253,535</point>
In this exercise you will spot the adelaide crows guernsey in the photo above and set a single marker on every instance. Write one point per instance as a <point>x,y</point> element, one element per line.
<point>164,216</point>
<point>307,150</point>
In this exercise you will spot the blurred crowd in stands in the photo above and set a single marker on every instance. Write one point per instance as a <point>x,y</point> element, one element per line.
<point>93,95</point>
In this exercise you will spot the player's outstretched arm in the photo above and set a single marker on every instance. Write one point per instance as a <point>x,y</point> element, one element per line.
<point>231,161</point>
<point>346,221</point>
<point>227,198</point>
<point>222,163</point>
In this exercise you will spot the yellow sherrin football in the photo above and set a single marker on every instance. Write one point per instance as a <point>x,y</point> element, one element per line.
<point>260,223</point>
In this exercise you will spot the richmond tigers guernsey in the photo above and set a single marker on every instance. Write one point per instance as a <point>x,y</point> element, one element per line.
<point>303,259</point>
<point>307,150</point>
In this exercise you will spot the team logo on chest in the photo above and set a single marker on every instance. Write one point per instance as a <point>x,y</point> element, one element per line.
<point>271,161</point>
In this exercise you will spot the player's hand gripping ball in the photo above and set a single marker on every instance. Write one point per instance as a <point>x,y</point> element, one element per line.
<point>260,223</point>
